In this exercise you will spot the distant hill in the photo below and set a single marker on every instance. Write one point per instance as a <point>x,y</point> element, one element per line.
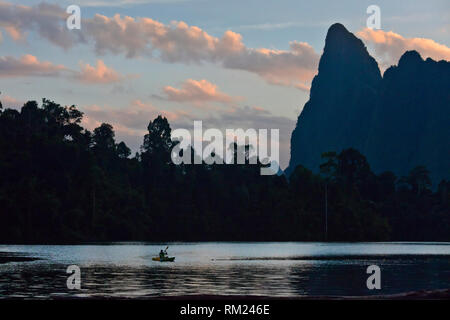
<point>399,120</point>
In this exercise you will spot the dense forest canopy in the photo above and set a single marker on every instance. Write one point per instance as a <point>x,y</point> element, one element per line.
<point>62,183</point>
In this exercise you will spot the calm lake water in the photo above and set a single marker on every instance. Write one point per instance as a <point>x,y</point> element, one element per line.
<point>122,270</point>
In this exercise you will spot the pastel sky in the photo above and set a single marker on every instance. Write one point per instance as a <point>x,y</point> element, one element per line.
<point>233,64</point>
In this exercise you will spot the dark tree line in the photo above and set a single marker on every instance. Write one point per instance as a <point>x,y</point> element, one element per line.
<point>62,183</point>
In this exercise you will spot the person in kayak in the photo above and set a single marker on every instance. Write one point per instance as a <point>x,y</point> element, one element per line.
<point>162,255</point>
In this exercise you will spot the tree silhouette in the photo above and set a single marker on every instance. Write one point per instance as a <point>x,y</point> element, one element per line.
<point>62,183</point>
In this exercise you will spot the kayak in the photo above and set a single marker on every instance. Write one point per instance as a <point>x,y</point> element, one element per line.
<point>167,259</point>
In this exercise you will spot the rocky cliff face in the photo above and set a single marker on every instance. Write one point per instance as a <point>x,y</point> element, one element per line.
<point>398,121</point>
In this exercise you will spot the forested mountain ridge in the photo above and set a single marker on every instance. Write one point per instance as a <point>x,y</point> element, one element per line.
<point>61,183</point>
<point>399,121</point>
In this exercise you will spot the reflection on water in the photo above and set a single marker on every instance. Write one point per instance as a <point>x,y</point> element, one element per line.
<point>267,269</point>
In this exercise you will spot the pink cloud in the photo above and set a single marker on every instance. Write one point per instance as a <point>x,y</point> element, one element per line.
<point>179,43</point>
<point>99,74</point>
<point>295,67</point>
<point>197,91</point>
<point>388,46</point>
<point>303,87</point>
<point>176,42</point>
<point>28,65</point>
<point>14,33</point>
<point>48,20</point>
<point>11,102</point>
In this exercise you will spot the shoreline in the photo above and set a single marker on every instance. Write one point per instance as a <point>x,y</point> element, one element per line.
<point>438,294</point>
<point>175,242</point>
<point>7,257</point>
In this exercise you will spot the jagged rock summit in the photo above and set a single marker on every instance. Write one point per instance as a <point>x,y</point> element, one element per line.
<point>398,121</point>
